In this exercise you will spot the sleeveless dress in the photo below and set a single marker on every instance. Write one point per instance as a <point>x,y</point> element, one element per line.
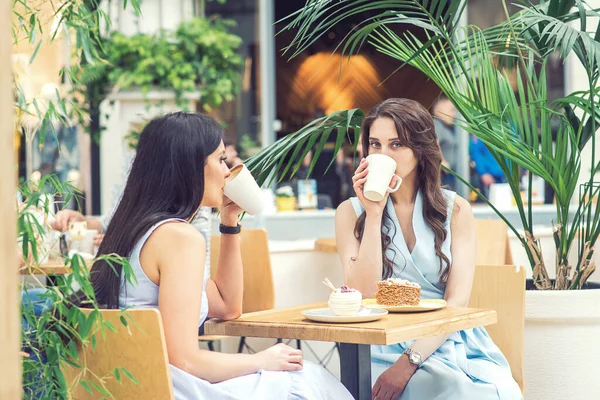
<point>468,365</point>
<point>312,382</point>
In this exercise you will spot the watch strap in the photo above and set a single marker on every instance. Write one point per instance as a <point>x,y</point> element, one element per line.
<point>410,352</point>
<point>230,230</point>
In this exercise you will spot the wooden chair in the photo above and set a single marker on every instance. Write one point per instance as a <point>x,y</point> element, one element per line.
<point>502,288</point>
<point>259,290</point>
<point>493,246</point>
<point>140,348</point>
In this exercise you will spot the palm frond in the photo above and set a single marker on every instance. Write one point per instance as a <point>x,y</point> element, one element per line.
<point>588,124</point>
<point>549,29</point>
<point>318,17</point>
<point>273,162</point>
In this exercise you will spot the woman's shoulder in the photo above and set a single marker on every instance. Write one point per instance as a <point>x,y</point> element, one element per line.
<point>349,207</point>
<point>176,234</point>
<point>462,212</point>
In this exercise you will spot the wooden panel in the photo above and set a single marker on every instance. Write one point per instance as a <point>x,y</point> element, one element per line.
<point>289,323</point>
<point>259,290</point>
<point>502,288</point>
<point>141,349</point>
<point>493,247</point>
<point>326,245</point>
<point>10,364</point>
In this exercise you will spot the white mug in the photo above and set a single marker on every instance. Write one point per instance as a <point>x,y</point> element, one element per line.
<point>381,171</point>
<point>86,245</point>
<point>243,190</point>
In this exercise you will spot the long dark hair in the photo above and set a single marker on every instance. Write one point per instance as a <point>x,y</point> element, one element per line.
<point>415,130</point>
<point>166,181</point>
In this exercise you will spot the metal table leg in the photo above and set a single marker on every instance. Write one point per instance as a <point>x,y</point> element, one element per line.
<point>355,363</point>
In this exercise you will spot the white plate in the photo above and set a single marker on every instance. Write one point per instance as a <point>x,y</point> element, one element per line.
<point>424,305</point>
<point>326,315</point>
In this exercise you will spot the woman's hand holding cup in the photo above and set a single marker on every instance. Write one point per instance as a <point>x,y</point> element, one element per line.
<point>242,189</point>
<point>230,212</point>
<point>373,193</point>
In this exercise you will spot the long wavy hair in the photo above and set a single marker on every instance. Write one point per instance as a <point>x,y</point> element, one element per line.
<point>415,130</point>
<point>166,181</point>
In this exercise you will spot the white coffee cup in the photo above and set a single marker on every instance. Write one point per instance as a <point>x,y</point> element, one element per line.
<point>243,190</point>
<point>381,171</point>
<point>86,245</point>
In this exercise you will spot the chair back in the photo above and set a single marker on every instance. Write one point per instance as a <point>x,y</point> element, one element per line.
<point>139,348</point>
<point>259,290</point>
<point>502,288</point>
<point>493,247</point>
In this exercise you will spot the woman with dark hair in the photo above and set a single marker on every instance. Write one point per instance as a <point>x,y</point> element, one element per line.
<point>179,167</point>
<point>426,235</point>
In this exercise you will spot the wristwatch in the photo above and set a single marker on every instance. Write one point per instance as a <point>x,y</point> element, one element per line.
<point>230,230</point>
<point>414,357</point>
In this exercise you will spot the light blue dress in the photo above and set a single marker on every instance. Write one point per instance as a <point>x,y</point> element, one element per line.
<point>468,365</point>
<point>312,382</point>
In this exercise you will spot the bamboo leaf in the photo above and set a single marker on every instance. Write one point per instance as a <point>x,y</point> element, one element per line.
<point>37,48</point>
<point>86,386</point>
<point>128,374</point>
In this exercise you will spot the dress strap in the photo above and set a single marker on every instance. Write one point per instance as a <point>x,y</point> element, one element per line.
<point>358,207</point>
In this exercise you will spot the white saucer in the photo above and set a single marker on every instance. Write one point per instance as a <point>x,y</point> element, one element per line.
<point>424,305</point>
<point>326,315</point>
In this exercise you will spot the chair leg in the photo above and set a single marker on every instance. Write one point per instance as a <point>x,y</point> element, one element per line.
<point>211,347</point>
<point>298,344</point>
<point>242,344</point>
<point>279,340</point>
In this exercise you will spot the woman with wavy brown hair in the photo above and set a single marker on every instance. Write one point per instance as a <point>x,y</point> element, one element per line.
<point>424,234</point>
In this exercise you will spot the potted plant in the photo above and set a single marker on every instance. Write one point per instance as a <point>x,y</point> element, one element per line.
<point>52,326</point>
<point>524,131</point>
<point>285,198</point>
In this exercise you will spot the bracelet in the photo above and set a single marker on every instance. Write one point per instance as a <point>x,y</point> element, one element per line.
<point>230,230</point>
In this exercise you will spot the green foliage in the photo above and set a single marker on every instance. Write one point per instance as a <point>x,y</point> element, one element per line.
<point>50,340</point>
<point>199,57</point>
<point>248,146</point>
<point>470,66</point>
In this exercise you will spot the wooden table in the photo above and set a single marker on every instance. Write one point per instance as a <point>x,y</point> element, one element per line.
<point>54,267</point>
<point>354,339</point>
<point>326,245</point>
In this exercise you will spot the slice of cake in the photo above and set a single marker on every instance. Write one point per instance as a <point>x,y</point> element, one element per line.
<point>398,292</point>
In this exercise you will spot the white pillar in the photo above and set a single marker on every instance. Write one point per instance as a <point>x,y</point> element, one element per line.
<point>266,11</point>
<point>576,79</point>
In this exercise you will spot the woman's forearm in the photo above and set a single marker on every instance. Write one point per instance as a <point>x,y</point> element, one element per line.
<point>217,367</point>
<point>366,270</point>
<point>428,346</point>
<point>229,278</point>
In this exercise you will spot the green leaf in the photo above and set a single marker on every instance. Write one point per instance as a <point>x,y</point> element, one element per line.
<point>86,386</point>
<point>319,148</point>
<point>131,378</point>
<point>35,51</point>
<point>100,388</point>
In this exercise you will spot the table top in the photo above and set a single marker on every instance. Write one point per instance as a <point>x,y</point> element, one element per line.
<point>54,267</point>
<point>289,323</point>
<point>326,245</point>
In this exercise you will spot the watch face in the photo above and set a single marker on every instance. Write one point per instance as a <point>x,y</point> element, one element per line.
<point>415,358</point>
